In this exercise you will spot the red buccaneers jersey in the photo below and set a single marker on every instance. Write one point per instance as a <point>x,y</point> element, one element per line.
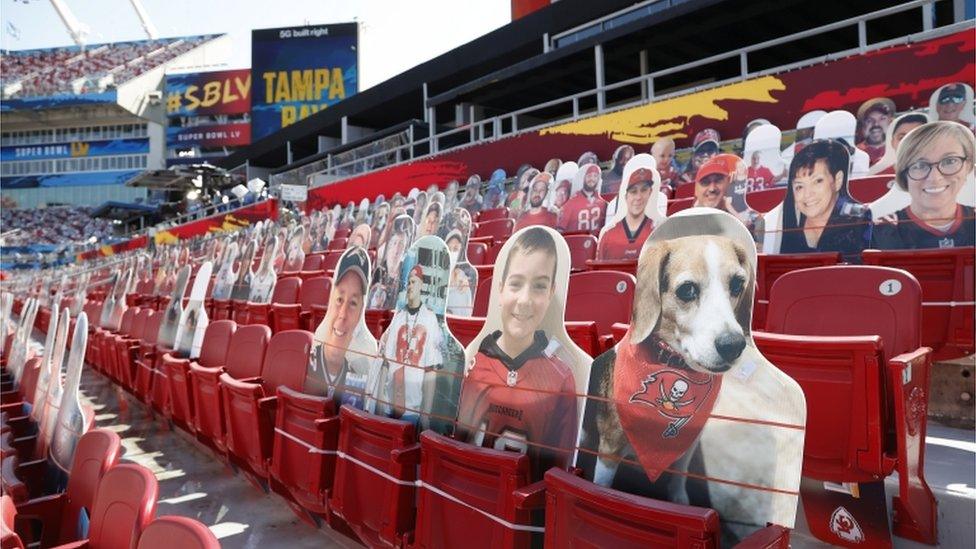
<point>543,217</point>
<point>582,213</point>
<point>618,243</point>
<point>507,403</point>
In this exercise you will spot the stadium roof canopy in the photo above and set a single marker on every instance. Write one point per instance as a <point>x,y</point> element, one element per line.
<point>183,178</point>
<point>513,66</point>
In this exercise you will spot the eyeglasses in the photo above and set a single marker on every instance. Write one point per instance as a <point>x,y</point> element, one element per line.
<point>950,165</point>
<point>951,99</point>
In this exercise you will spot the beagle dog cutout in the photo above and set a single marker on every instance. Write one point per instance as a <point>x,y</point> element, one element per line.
<point>684,408</point>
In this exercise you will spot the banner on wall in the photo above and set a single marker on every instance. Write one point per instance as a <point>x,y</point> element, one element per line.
<point>75,149</point>
<point>204,93</point>
<point>232,134</point>
<point>299,71</point>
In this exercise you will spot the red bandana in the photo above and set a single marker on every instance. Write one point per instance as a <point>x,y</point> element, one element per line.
<point>662,407</point>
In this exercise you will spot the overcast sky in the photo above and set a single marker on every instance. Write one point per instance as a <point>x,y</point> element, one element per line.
<point>394,36</point>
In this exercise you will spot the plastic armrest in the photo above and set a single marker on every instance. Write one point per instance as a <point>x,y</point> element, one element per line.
<point>606,342</point>
<point>327,424</point>
<point>407,455</point>
<point>530,497</point>
<point>269,404</point>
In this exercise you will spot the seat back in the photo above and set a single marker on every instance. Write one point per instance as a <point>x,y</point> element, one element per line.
<point>98,451</point>
<point>313,262</point>
<point>176,531</point>
<point>286,290</point>
<point>678,204</point>
<point>125,325</point>
<point>216,343</point>
<point>494,213</point>
<point>388,513</point>
<point>480,477</point>
<point>8,517</point>
<point>339,242</point>
<point>247,348</point>
<point>151,329</point>
<point>770,267</point>
<point>867,189</point>
<point>580,513</point>
<point>476,253</point>
<point>497,229</point>
<point>465,329</point>
<point>481,297</point>
<point>947,279</point>
<point>330,260</point>
<point>138,326</point>
<point>301,423</point>
<point>315,291</point>
<point>849,301</point>
<point>125,504</point>
<point>765,200</point>
<point>605,297</point>
<point>582,247</point>
<point>286,360</point>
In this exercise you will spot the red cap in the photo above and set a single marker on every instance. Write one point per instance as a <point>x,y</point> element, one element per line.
<point>723,164</point>
<point>641,175</point>
<point>417,271</point>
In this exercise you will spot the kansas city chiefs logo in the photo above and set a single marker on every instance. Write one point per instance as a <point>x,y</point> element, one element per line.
<point>843,524</point>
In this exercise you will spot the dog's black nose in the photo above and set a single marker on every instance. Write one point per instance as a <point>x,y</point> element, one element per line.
<point>729,345</point>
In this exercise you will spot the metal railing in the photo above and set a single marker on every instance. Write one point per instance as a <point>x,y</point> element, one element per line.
<point>520,120</point>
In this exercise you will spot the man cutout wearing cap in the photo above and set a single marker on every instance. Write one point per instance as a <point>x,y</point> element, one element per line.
<point>412,346</point>
<point>624,240</point>
<point>712,182</point>
<point>705,146</point>
<point>586,209</point>
<point>873,118</point>
<point>537,213</point>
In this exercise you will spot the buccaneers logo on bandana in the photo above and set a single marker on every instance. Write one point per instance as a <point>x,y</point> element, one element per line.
<point>655,392</point>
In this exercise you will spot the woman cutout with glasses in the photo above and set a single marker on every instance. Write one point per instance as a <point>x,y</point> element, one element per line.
<point>932,165</point>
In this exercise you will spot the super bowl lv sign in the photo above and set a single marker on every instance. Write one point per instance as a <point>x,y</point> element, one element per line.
<point>219,92</point>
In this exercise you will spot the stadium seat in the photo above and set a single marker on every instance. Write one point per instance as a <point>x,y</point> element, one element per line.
<point>125,503</point>
<point>213,353</point>
<point>498,230</point>
<point>339,242</point>
<point>176,531</point>
<point>586,336</point>
<point>605,297</point>
<point>130,350</point>
<point>305,440</point>
<point>582,248</point>
<point>582,514</point>
<point>330,260</point>
<point>624,265</point>
<point>482,296</point>
<point>867,189</point>
<point>239,311</point>
<point>125,341</point>
<point>765,200</point>
<point>770,267</point>
<point>476,253</point>
<point>678,204</point>
<point>313,262</point>
<point>144,365</point>
<point>245,356</point>
<point>465,329</point>
<point>369,444</point>
<point>8,518</point>
<point>493,214</point>
<point>56,516</point>
<point>250,404</point>
<point>222,309</point>
<point>850,336</point>
<point>474,497</point>
<point>286,291</point>
<point>298,315</point>
<point>377,321</point>
<point>947,280</point>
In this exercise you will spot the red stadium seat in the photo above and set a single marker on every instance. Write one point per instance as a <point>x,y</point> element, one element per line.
<point>477,252</point>
<point>677,204</point>
<point>286,291</point>
<point>8,518</point>
<point>585,335</point>
<point>867,189</point>
<point>303,461</point>
<point>377,456</point>
<point>772,266</point>
<point>176,531</point>
<point>474,497</point>
<point>124,344</point>
<point>493,214</point>
<point>605,297</point>
<point>498,229</point>
<point>622,266</point>
<point>313,262</point>
<point>465,329</point>
<point>213,352</point>
<point>853,346</point>
<point>342,233</point>
<point>684,191</point>
<point>243,361</point>
<point>330,260</point>
<point>765,200</point>
<point>377,320</point>
<point>339,242</point>
<point>56,516</point>
<point>250,404</point>
<point>239,312</point>
<point>222,309</point>
<point>298,316</point>
<point>947,280</point>
<point>582,248</point>
<point>125,504</point>
<point>582,514</point>
<point>143,368</point>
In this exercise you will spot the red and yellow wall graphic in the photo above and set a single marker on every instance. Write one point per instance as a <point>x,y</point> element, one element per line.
<point>907,74</point>
<point>230,221</point>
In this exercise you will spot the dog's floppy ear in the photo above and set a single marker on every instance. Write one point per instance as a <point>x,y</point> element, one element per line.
<point>743,311</point>
<point>652,279</point>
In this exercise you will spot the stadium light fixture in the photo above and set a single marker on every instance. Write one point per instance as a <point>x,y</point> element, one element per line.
<point>193,194</point>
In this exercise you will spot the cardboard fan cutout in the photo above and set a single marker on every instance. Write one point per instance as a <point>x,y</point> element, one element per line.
<point>109,304</point>
<point>842,126</point>
<point>563,186</point>
<point>585,210</point>
<point>242,286</point>
<point>518,197</point>
<point>471,199</point>
<point>173,314</point>
<point>537,211</point>
<point>637,213</point>
<point>463,283</point>
<point>953,103</point>
<point>362,212</point>
<point>380,219</point>
<point>761,153</point>
<point>194,322</point>
<point>451,195</point>
<point>420,206</point>
<point>614,175</point>
<point>344,347</point>
<point>495,194</point>
<point>684,408</point>
<point>523,372</point>
<point>263,284</point>
<point>817,213</point>
<point>897,131</point>
<point>47,364</point>
<point>431,220</point>
<point>118,302</point>
<point>360,236</point>
<point>226,276</point>
<point>296,256</point>
<point>70,423</point>
<point>48,414</point>
<point>417,377</point>
<point>386,284</point>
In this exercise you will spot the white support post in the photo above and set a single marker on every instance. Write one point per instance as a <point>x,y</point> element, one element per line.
<point>644,69</point>
<point>601,96</point>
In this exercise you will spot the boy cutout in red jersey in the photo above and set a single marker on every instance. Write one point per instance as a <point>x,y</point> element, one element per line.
<point>524,373</point>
